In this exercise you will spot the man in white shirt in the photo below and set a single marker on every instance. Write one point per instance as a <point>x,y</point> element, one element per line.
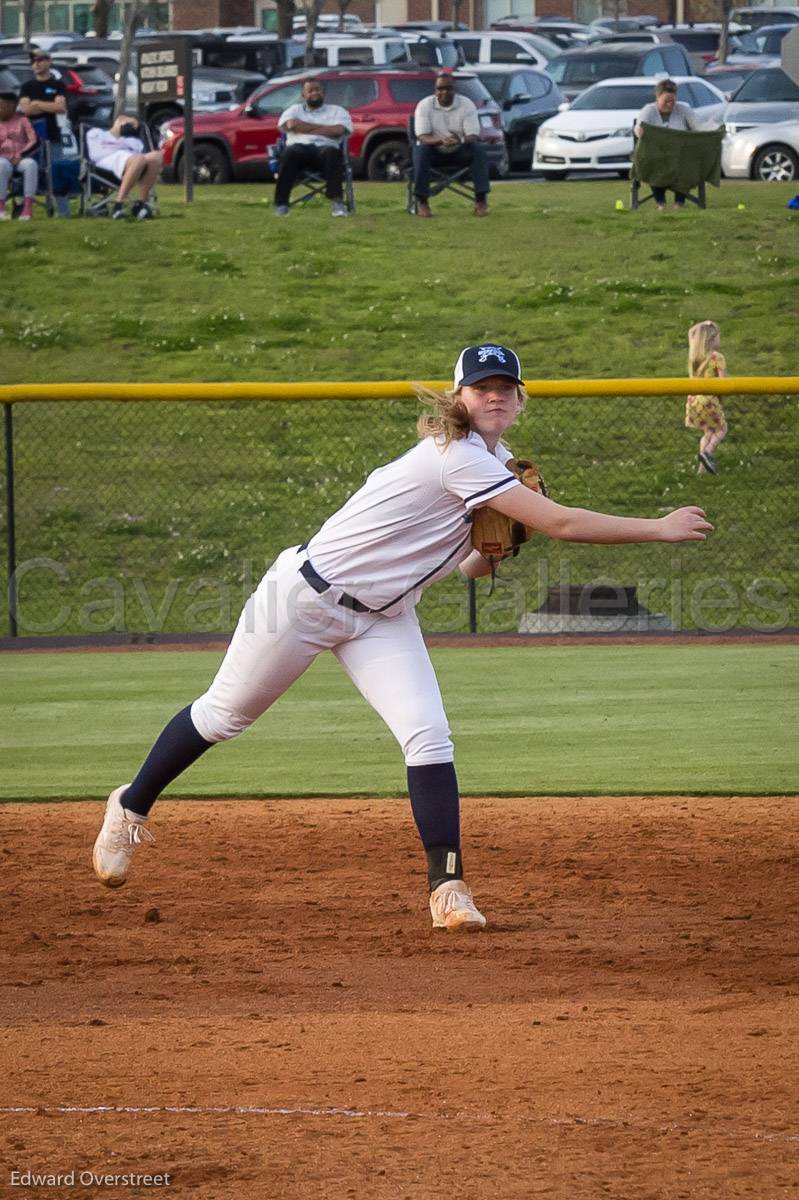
<point>447,133</point>
<point>121,152</point>
<point>314,132</point>
<point>666,110</point>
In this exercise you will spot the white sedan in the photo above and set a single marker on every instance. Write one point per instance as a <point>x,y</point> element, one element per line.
<point>769,153</point>
<point>595,132</point>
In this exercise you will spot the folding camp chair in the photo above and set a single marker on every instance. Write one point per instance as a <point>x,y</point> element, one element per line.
<point>447,173</point>
<point>675,160</point>
<point>98,187</point>
<point>636,199</point>
<point>310,183</point>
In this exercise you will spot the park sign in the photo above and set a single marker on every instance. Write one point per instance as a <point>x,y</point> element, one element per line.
<point>789,54</point>
<point>163,69</point>
<point>165,77</point>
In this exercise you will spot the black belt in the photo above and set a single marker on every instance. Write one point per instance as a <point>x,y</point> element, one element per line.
<point>315,580</point>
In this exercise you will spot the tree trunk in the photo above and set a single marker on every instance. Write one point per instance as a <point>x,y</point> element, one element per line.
<point>285,18</point>
<point>27,22</point>
<point>343,5</point>
<point>724,39</point>
<point>312,12</point>
<point>101,12</point>
<point>132,21</point>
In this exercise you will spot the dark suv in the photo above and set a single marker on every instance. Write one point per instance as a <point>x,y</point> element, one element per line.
<point>381,100</point>
<point>576,70</point>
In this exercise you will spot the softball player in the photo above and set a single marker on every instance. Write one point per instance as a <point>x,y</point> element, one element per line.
<point>352,589</point>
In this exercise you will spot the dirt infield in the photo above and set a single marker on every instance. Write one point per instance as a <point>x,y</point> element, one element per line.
<point>268,984</point>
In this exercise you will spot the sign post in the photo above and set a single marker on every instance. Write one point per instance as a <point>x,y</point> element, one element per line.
<point>165,74</point>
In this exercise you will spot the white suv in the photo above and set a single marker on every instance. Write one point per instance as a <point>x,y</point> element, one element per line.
<point>349,50</point>
<point>491,46</point>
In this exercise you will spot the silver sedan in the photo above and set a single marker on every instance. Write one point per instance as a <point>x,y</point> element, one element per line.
<point>769,153</point>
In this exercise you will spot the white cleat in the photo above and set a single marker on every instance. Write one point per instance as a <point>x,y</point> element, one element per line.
<point>452,907</point>
<point>121,833</point>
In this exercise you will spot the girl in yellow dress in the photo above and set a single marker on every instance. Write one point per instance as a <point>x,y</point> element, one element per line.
<point>704,412</point>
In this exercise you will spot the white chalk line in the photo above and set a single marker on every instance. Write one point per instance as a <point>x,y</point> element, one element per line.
<point>250,1110</point>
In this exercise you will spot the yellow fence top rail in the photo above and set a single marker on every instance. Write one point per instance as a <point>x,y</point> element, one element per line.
<point>386,389</point>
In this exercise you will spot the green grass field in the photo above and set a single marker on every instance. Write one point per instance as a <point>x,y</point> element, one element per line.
<point>221,290</point>
<point>171,502</point>
<point>577,720</point>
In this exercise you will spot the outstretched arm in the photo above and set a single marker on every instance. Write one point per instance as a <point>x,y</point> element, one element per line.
<point>583,525</point>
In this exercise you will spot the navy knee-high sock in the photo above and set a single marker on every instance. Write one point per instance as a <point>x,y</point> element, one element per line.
<point>177,747</point>
<point>435,803</point>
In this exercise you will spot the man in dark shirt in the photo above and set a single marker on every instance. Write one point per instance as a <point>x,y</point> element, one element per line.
<point>43,100</point>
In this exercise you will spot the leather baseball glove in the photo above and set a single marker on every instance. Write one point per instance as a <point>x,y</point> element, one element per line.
<point>497,536</point>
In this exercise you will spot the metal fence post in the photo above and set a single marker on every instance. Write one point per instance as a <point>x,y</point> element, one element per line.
<point>11,546</point>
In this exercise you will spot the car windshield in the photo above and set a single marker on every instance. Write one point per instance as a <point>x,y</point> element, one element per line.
<point>600,98</point>
<point>583,71</point>
<point>495,84</point>
<point>546,49</point>
<point>411,91</point>
<point>728,81</point>
<point>766,86</point>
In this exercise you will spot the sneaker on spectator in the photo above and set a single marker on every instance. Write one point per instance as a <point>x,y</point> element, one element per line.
<point>118,212</point>
<point>141,211</point>
<point>338,209</point>
<point>27,209</point>
<point>281,210</point>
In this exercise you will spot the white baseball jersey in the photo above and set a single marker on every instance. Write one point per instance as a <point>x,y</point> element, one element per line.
<point>410,523</point>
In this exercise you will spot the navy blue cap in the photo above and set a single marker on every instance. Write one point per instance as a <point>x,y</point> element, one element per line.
<point>480,362</point>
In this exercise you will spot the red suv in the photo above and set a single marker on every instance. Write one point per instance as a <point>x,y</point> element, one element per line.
<point>233,145</point>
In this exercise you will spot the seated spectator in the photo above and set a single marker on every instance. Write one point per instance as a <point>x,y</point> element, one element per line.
<point>666,110</point>
<point>17,141</point>
<point>313,132</point>
<point>120,151</point>
<point>447,131</point>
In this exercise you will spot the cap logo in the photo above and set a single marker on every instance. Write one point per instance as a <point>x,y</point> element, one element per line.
<point>486,352</point>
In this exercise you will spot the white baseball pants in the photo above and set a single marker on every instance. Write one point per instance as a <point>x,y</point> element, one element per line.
<point>285,624</point>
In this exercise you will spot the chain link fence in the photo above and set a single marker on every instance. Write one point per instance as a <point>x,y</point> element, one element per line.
<point>152,518</point>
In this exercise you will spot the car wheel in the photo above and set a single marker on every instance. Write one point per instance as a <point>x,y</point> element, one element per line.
<point>389,162</point>
<point>210,165</point>
<point>775,164</point>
